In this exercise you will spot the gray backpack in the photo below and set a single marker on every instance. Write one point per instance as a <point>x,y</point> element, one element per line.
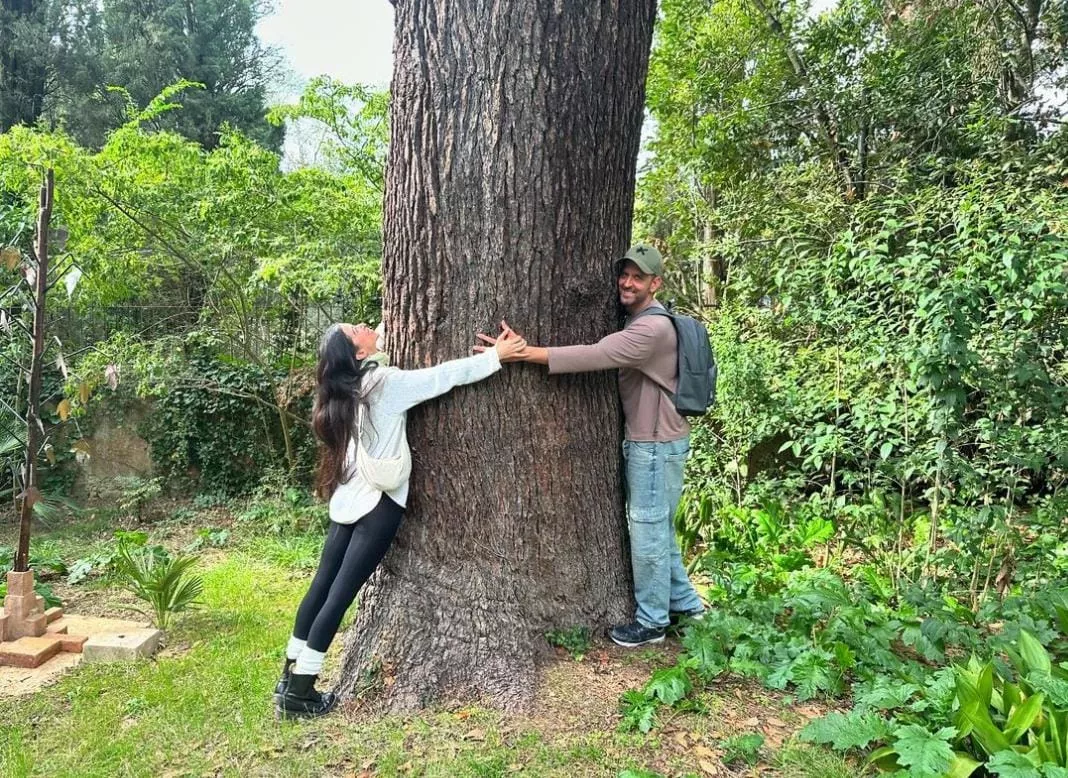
<point>696,390</point>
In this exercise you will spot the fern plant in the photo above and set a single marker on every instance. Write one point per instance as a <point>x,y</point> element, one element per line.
<point>161,580</point>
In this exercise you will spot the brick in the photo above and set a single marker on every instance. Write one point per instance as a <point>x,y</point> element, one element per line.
<point>40,602</point>
<point>20,584</point>
<point>18,607</point>
<point>3,626</point>
<point>72,644</point>
<point>32,627</point>
<point>56,628</point>
<point>28,651</point>
<point>53,613</point>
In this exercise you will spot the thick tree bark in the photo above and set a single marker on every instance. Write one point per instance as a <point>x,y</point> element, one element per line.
<point>515,131</point>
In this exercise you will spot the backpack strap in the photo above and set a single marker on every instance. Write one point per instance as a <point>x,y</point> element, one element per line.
<point>656,310</point>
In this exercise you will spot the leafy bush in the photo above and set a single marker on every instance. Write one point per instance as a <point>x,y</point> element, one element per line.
<point>574,640</point>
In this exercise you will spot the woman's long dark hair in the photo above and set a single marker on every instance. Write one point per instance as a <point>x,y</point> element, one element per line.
<point>339,376</point>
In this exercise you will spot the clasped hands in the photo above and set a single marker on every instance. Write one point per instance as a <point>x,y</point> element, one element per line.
<point>510,345</point>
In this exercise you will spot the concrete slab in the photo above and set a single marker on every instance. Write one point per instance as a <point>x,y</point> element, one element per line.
<point>17,681</point>
<point>122,647</point>
<point>29,651</point>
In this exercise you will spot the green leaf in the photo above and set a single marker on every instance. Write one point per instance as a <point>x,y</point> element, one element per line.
<point>962,766</point>
<point>707,649</point>
<point>1032,653</point>
<point>844,731</point>
<point>669,685</point>
<point>1010,764</point>
<point>928,755</point>
<point>1023,717</point>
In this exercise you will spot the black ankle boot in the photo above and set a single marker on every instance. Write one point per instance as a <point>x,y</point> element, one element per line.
<point>283,682</point>
<point>300,698</point>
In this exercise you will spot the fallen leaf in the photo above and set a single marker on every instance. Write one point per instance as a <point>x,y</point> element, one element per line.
<point>10,256</point>
<point>704,752</point>
<point>475,734</point>
<point>708,768</point>
<point>64,409</point>
<point>776,722</point>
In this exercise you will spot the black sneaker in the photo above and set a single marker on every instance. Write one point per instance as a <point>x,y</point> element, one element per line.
<point>680,617</point>
<point>636,634</point>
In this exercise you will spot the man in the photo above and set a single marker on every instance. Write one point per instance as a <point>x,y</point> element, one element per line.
<point>656,443</point>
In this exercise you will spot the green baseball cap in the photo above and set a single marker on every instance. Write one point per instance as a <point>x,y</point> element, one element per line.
<point>646,257</point>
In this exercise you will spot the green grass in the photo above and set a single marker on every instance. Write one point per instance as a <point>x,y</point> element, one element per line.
<point>203,706</point>
<point>207,710</point>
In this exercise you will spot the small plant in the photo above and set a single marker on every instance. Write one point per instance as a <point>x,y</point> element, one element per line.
<point>44,560</point>
<point>137,492</point>
<point>209,500</point>
<point>574,640</point>
<point>161,580</point>
<point>742,748</point>
<point>206,536</point>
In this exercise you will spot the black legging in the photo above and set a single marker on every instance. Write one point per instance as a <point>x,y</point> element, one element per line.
<point>351,553</point>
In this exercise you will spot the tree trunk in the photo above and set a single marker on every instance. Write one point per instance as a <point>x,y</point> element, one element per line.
<point>509,193</point>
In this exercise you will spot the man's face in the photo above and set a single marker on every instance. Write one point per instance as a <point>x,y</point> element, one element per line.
<point>636,288</point>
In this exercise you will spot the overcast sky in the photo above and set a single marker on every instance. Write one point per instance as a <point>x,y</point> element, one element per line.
<point>351,40</point>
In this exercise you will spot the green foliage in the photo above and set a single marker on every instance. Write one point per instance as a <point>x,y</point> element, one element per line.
<point>742,748</point>
<point>40,588</point>
<point>845,731</point>
<point>213,538</point>
<point>163,581</point>
<point>44,561</point>
<point>292,552</point>
<point>575,640</point>
<point>926,755</point>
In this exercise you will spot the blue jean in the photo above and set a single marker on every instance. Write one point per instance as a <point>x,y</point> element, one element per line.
<point>654,487</point>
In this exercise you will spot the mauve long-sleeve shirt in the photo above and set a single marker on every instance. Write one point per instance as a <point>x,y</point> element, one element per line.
<point>645,352</point>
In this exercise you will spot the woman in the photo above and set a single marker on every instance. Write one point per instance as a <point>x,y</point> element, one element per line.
<point>359,419</point>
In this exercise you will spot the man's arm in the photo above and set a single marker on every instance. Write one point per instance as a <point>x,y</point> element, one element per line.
<point>631,347</point>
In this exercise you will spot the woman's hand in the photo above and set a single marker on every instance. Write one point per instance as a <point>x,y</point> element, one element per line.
<point>510,345</point>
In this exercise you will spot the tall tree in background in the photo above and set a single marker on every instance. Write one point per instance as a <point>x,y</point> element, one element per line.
<point>24,46</point>
<point>514,136</point>
<point>60,58</point>
<point>213,42</point>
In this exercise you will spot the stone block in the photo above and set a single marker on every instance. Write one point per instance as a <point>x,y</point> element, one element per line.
<point>28,651</point>
<point>122,647</point>
<point>40,602</point>
<point>20,584</point>
<point>33,626</point>
<point>3,626</point>
<point>53,613</point>
<point>56,628</point>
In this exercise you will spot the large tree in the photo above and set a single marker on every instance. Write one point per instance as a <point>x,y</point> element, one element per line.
<point>24,56</point>
<point>515,131</point>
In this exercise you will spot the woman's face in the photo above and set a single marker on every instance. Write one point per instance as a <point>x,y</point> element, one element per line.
<point>363,339</point>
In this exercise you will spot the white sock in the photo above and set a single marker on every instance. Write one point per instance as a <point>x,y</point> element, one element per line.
<point>310,662</point>
<point>294,647</point>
